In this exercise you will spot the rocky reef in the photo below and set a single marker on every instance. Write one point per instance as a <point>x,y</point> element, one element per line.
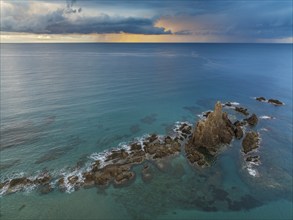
<point>201,143</point>
<point>115,168</point>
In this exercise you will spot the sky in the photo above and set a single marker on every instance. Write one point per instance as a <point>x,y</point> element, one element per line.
<point>236,21</point>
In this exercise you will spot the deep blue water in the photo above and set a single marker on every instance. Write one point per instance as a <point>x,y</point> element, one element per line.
<point>62,102</point>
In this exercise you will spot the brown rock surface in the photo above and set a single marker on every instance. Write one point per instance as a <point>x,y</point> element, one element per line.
<point>19,181</point>
<point>275,102</point>
<point>252,120</point>
<point>240,123</point>
<point>250,142</point>
<point>215,130</point>
<point>117,155</point>
<point>238,132</point>
<point>261,99</point>
<point>244,111</point>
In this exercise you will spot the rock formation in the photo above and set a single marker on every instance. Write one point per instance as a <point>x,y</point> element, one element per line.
<point>261,99</point>
<point>275,102</point>
<point>272,101</point>
<point>252,120</point>
<point>201,143</point>
<point>250,141</point>
<point>254,159</point>
<point>244,111</point>
<point>238,132</point>
<point>215,130</point>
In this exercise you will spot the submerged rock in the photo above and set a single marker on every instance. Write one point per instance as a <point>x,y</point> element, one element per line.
<point>146,174</point>
<point>123,178</point>
<point>250,142</point>
<point>134,129</point>
<point>217,129</point>
<point>252,120</point>
<point>45,189</point>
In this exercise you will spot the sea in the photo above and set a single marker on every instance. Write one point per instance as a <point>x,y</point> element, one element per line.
<point>63,105</point>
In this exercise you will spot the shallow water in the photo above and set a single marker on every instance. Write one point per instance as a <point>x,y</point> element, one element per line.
<point>60,103</point>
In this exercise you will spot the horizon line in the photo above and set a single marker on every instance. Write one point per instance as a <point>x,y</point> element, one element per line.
<point>146,42</point>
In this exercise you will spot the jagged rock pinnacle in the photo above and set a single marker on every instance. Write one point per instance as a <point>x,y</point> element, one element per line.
<point>217,129</point>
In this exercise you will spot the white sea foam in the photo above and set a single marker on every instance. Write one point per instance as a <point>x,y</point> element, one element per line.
<point>141,139</point>
<point>29,188</point>
<point>266,117</point>
<point>25,188</point>
<point>230,107</point>
<point>201,116</point>
<point>235,103</point>
<point>4,189</point>
<point>252,172</point>
<point>102,156</point>
<point>255,163</point>
<point>69,188</point>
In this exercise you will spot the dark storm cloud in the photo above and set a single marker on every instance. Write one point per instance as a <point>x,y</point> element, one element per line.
<point>252,19</point>
<point>68,20</point>
<point>107,25</point>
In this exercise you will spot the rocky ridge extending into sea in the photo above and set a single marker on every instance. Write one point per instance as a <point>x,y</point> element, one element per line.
<point>205,140</point>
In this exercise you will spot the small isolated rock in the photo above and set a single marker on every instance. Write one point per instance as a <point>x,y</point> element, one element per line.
<point>261,99</point>
<point>250,142</point>
<point>275,102</point>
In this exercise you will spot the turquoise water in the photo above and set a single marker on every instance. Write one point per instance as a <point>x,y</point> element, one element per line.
<point>60,103</point>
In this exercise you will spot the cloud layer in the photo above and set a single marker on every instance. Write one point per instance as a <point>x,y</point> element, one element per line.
<point>189,20</point>
<point>36,18</point>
